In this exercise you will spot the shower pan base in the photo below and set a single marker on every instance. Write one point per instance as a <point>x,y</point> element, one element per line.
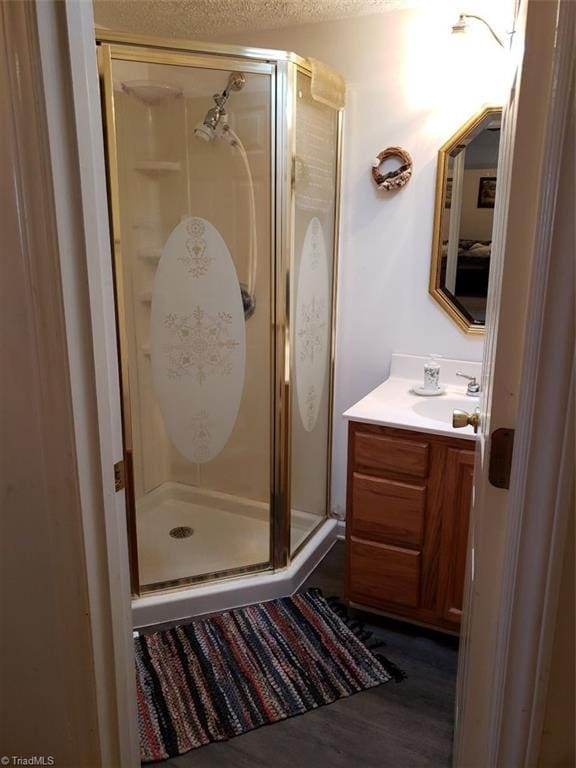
<point>178,605</point>
<point>227,532</point>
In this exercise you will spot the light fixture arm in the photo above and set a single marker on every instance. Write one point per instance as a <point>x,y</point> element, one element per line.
<point>491,29</point>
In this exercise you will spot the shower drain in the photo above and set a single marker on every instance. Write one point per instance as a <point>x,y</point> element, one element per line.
<point>181,532</point>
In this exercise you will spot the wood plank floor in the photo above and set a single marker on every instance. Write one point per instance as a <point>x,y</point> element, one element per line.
<point>400,725</point>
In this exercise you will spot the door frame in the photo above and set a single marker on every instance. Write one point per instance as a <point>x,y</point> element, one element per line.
<point>543,462</point>
<point>67,80</point>
<point>512,587</point>
<point>75,30</point>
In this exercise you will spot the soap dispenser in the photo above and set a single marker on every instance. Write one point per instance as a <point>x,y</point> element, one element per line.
<point>432,373</point>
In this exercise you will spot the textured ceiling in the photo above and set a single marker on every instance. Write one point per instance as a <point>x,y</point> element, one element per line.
<point>204,19</point>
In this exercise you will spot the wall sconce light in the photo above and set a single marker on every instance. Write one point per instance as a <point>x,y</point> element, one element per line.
<point>461,26</point>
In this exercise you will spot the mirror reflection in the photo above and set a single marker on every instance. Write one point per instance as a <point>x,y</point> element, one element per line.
<point>466,193</point>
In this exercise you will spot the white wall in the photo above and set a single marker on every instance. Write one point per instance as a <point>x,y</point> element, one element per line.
<point>410,83</point>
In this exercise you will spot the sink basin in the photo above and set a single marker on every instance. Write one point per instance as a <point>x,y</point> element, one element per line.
<point>440,408</point>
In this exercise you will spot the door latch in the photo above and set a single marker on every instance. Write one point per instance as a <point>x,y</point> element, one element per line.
<point>119,476</point>
<point>500,466</point>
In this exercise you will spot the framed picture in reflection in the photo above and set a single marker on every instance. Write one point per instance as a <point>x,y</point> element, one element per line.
<point>448,195</point>
<point>487,192</point>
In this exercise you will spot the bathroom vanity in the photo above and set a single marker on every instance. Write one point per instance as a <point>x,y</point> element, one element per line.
<point>410,476</point>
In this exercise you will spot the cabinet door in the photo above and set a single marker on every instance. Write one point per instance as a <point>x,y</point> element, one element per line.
<point>458,485</point>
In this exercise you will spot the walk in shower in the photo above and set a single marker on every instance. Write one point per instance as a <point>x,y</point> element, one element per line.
<point>223,173</point>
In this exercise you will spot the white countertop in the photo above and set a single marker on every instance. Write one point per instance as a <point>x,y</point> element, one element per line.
<point>392,404</point>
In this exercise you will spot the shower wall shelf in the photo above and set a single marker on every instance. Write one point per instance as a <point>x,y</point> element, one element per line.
<point>151,92</point>
<point>157,167</point>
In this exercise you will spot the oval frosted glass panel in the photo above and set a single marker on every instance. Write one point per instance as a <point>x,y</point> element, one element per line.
<point>197,340</point>
<point>312,324</point>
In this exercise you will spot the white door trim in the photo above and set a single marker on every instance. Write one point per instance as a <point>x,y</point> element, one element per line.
<point>71,91</point>
<point>543,464</point>
<point>525,543</point>
<point>79,25</point>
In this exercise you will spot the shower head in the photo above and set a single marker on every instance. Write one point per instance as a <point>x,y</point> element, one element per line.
<point>206,130</point>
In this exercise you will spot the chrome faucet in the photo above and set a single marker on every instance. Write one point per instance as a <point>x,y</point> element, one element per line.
<point>473,387</point>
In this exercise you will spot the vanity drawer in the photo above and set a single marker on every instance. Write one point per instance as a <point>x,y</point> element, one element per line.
<point>382,453</point>
<point>387,510</point>
<point>380,573</point>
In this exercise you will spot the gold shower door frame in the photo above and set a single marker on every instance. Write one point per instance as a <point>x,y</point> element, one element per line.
<point>282,68</point>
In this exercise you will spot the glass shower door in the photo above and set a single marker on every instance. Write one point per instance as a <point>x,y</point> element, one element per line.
<point>312,310</point>
<point>190,188</point>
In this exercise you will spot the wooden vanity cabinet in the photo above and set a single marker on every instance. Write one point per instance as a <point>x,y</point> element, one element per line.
<point>408,503</point>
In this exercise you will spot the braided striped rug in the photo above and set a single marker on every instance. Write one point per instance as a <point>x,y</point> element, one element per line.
<point>225,675</point>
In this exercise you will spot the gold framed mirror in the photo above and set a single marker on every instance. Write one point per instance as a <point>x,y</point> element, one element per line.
<point>463,219</point>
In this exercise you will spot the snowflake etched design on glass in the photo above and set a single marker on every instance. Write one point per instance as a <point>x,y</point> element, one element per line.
<point>315,242</point>
<point>311,410</point>
<point>311,333</point>
<point>196,260</point>
<point>201,345</point>
<point>200,435</point>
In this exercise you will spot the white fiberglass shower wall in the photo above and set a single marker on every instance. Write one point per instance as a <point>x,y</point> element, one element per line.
<point>223,217</point>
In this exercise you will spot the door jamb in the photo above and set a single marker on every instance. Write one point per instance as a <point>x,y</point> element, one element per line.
<point>70,77</point>
<point>534,542</point>
<point>79,22</point>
